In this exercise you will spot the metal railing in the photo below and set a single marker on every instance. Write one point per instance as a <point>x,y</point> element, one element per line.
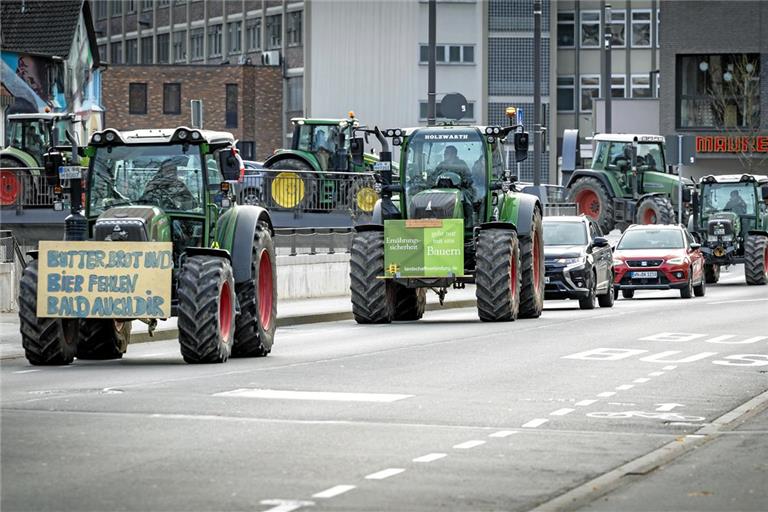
<point>314,240</point>
<point>25,187</point>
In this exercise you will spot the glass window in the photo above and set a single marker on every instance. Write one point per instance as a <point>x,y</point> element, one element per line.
<point>137,99</point>
<point>618,86</point>
<point>590,88</point>
<point>566,29</point>
<point>131,51</point>
<point>293,29</point>
<point>146,50</point>
<point>564,233</point>
<point>566,94</point>
<point>116,7</point>
<point>253,34</point>
<point>146,5</point>
<point>618,28</point>
<point>103,52</point>
<point>101,9</point>
<point>740,198</point>
<point>652,239</point>
<point>641,87</point>
<point>163,48</point>
<point>231,107</point>
<point>295,87</point>
<point>214,41</point>
<point>131,6</point>
<point>454,54</point>
<point>116,53</point>
<point>274,32</point>
<point>641,28</point>
<point>196,44</point>
<point>234,34</point>
<point>172,99</point>
<point>590,29</point>
<point>468,55</point>
<point>180,46</point>
<point>424,53</point>
<point>658,27</point>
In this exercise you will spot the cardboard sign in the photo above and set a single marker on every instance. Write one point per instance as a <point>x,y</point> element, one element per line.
<point>104,280</point>
<point>424,248</point>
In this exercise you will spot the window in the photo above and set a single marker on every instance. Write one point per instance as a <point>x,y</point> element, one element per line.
<point>131,51</point>
<point>641,87</point>
<point>293,29</point>
<point>163,48</point>
<point>234,35</point>
<point>231,105</point>
<point>566,94</point>
<point>448,54</point>
<point>658,27</point>
<point>566,29</point>
<point>214,41</point>
<point>274,35</point>
<point>101,9</point>
<point>116,8</point>
<point>172,99</point>
<point>590,88</point>
<point>253,34</point>
<point>295,101</point>
<point>590,29</point>
<point>103,52</point>
<point>424,107</point>
<point>131,6</point>
<point>163,3</point>
<point>196,44</point>
<point>618,86</point>
<point>618,28</point>
<point>137,99</point>
<point>116,53</point>
<point>718,91</point>
<point>146,50</point>
<point>146,5</point>
<point>180,46</point>
<point>641,28</point>
<point>468,55</point>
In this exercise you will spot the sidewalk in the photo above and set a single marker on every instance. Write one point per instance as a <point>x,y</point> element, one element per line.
<point>289,312</point>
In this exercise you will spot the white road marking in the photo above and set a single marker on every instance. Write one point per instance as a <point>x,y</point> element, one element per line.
<point>694,436</point>
<point>562,412</point>
<point>670,367</point>
<point>312,395</point>
<point>667,407</point>
<point>606,394</point>
<point>155,354</point>
<point>656,374</point>
<point>285,505</point>
<point>333,491</point>
<point>385,473</point>
<point>624,387</point>
<point>735,301</point>
<point>641,381</point>
<point>26,371</point>
<point>584,403</point>
<point>673,336</point>
<point>535,423</point>
<point>430,457</point>
<point>468,444</point>
<point>503,433</point>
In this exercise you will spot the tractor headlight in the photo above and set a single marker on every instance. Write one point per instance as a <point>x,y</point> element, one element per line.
<point>489,130</point>
<point>496,130</point>
<point>182,134</point>
<point>110,136</point>
<point>397,132</point>
<point>396,141</point>
<point>96,138</point>
<point>195,135</point>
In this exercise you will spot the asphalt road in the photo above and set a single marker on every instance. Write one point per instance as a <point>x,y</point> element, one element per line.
<point>638,407</point>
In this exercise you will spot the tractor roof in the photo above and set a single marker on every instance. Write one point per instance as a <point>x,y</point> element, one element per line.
<point>447,128</point>
<point>164,135</point>
<point>761,179</point>
<point>47,116</point>
<point>627,137</point>
<point>306,120</point>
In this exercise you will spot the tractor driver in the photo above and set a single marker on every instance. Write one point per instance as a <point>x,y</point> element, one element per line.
<point>452,163</point>
<point>34,142</point>
<point>323,148</point>
<point>736,204</point>
<point>166,189</point>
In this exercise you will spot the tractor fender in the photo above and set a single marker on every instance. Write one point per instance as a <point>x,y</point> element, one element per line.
<point>208,251</point>
<point>584,173</point>
<point>527,205</point>
<point>273,162</point>
<point>246,225</point>
<point>498,225</point>
<point>362,228</point>
<point>757,232</point>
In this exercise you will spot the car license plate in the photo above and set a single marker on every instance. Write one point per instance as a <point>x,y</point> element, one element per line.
<point>644,275</point>
<point>546,279</point>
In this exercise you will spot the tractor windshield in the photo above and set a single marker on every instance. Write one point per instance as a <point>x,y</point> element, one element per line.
<point>168,176</point>
<point>617,156</point>
<point>431,154</point>
<point>739,198</point>
<point>29,135</point>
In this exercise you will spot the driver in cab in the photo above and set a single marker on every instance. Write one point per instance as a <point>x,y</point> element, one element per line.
<point>166,189</point>
<point>452,163</point>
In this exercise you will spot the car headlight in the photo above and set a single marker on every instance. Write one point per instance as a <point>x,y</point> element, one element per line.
<point>681,260</point>
<point>617,262</point>
<point>569,261</point>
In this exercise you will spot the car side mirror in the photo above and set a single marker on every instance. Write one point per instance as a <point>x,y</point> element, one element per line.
<point>686,195</point>
<point>600,241</point>
<point>695,246</point>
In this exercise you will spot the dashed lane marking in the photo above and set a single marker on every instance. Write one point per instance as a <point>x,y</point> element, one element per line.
<point>536,423</point>
<point>585,403</point>
<point>312,395</point>
<point>468,444</point>
<point>385,473</point>
<point>606,394</point>
<point>735,301</point>
<point>624,387</point>
<point>670,367</point>
<point>656,374</point>
<point>334,491</point>
<point>503,433</point>
<point>286,505</point>
<point>430,457</point>
<point>641,381</point>
<point>562,412</point>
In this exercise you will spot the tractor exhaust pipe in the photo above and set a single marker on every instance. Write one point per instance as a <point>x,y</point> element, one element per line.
<point>388,208</point>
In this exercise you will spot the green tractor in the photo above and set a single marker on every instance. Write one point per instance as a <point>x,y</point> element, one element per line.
<point>320,154</point>
<point>29,138</point>
<point>456,219</point>
<point>629,183</point>
<point>174,187</point>
<point>730,219</point>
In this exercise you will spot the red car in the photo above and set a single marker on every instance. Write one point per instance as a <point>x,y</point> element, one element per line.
<point>658,257</point>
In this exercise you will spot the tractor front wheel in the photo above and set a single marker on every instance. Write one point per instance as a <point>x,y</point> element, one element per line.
<point>532,261</point>
<point>711,273</point>
<point>373,299</point>
<point>206,321</point>
<point>46,341</point>
<point>594,201</point>
<point>655,210</point>
<point>410,303</point>
<point>498,276</point>
<point>756,259</point>
<point>103,339</point>
<point>256,323</point>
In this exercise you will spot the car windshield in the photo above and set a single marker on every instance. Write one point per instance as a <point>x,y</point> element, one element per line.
<point>168,176</point>
<point>564,233</point>
<point>739,198</point>
<point>652,239</point>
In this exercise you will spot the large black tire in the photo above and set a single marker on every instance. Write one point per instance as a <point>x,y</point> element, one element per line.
<point>46,341</point>
<point>711,273</point>
<point>206,321</point>
<point>13,183</point>
<point>607,299</point>
<point>410,303</point>
<point>627,294</point>
<point>590,300</point>
<point>700,289</point>
<point>594,201</point>
<point>291,190</point>
<point>532,261</point>
<point>373,299</point>
<point>255,325</point>
<point>498,275</point>
<point>756,259</point>
<point>687,292</point>
<point>655,210</point>
<point>103,339</point>
<point>361,198</point>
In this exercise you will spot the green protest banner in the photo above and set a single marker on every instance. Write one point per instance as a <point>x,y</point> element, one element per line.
<point>424,248</point>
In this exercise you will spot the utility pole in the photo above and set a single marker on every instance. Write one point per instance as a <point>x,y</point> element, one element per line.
<point>536,93</point>
<point>431,55</point>
<point>607,90</point>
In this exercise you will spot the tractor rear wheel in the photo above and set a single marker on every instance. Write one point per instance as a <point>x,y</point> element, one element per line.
<point>409,303</point>
<point>46,341</point>
<point>532,261</point>
<point>256,323</point>
<point>206,292</point>
<point>103,339</point>
<point>497,275</point>
<point>756,259</point>
<point>13,179</point>
<point>594,201</point>
<point>711,273</point>
<point>373,299</point>
<point>292,189</point>
<point>655,210</point>
<point>361,198</point>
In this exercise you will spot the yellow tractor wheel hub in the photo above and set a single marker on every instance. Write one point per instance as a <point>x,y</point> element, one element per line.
<point>287,189</point>
<point>366,199</point>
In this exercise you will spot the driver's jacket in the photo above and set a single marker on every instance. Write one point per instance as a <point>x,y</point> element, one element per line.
<point>164,187</point>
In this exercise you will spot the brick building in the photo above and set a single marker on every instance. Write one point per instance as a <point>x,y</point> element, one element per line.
<point>243,99</point>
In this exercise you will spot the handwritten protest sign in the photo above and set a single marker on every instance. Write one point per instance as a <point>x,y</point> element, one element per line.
<point>104,279</point>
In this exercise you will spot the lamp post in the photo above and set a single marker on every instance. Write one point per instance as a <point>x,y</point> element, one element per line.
<point>536,93</point>
<point>608,36</point>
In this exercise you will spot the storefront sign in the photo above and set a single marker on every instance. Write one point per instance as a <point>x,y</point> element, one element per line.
<point>424,248</point>
<point>731,144</point>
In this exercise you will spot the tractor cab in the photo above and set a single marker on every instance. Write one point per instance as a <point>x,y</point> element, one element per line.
<point>324,142</point>
<point>614,153</point>
<point>35,134</point>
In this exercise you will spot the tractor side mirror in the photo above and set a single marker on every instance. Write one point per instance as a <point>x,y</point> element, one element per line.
<point>670,169</point>
<point>356,148</point>
<point>231,164</point>
<point>686,195</point>
<point>600,241</point>
<point>764,192</point>
<point>695,246</point>
<point>521,146</point>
